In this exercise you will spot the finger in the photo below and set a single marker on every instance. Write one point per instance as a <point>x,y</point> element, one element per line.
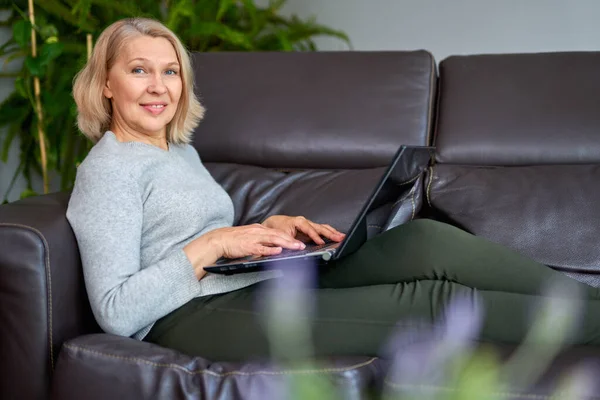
<point>330,233</point>
<point>279,241</point>
<point>291,239</point>
<point>309,230</point>
<point>285,235</point>
<point>331,228</point>
<point>267,251</point>
<point>263,229</point>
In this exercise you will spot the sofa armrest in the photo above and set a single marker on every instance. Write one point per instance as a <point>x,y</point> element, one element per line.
<point>42,295</point>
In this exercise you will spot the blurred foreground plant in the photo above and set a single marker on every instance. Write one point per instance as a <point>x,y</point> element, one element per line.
<point>443,363</point>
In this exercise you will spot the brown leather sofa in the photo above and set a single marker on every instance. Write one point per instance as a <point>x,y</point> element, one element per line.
<point>517,152</point>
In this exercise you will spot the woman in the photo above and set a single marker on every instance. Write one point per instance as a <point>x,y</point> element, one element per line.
<point>148,217</point>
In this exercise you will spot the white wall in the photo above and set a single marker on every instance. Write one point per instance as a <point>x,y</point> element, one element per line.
<point>447,27</point>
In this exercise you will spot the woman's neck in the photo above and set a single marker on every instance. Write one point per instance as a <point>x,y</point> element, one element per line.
<point>128,136</point>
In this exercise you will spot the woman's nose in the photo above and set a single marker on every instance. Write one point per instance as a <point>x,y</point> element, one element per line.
<point>157,85</point>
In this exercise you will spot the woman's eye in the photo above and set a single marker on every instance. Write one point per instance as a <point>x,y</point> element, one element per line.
<point>137,71</point>
<point>171,72</point>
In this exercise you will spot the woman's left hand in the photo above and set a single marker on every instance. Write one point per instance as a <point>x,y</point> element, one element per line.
<point>300,226</point>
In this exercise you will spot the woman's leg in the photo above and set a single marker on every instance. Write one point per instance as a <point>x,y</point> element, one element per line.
<point>426,249</point>
<point>410,272</point>
<point>350,321</point>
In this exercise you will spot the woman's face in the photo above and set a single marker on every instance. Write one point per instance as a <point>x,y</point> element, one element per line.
<point>144,86</point>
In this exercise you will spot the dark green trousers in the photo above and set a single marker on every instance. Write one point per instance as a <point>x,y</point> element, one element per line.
<point>407,273</point>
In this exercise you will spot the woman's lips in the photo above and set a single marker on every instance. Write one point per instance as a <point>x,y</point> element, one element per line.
<point>155,109</point>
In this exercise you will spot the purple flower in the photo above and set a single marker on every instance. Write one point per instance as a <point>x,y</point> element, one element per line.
<point>581,382</point>
<point>288,307</point>
<point>422,355</point>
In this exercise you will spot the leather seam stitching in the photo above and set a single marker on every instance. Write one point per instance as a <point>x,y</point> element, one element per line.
<point>414,178</point>
<point>412,202</point>
<point>217,374</point>
<point>48,283</point>
<point>404,183</point>
<point>428,191</point>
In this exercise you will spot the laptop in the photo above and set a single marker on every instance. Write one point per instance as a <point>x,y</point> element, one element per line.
<point>407,163</point>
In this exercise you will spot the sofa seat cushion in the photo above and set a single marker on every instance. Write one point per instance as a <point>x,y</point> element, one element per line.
<point>103,366</point>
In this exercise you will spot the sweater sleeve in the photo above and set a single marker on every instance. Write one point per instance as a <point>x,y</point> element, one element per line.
<point>105,212</point>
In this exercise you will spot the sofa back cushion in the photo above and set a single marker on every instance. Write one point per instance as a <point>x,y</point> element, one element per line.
<point>518,147</point>
<point>311,133</point>
<point>519,109</point>
<point>320,110</point>
<point>334,197</point>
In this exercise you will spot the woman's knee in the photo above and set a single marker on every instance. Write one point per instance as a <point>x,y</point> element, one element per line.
<point>429,227</point>
<point>428,231</point>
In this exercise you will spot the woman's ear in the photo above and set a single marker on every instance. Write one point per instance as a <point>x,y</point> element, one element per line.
<point>106,90</point>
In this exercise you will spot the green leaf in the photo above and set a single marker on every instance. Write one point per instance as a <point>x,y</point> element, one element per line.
<point>125,8</point>
<point>20,88</point>
<point>284,41</point>
<point>181,10</point>
<point>14,56</point>
<point>49,52</point>
<point>16,174</point>
<point>48,31</point>
<point>34,65</point>
<point>250,8</point>
<point>57,9</point>
<point>311,386</point>
<point>300,31</point>
<point>13,109</point>
<point>275,5</point>
<point>10,136</point>
<point>82,9</point>
<point>28,193</point>
<point>22,33</point>
<point>480,378</point>
<point>224,6</point>
<point>22,13</point>
<point>224,33</point>
<point>9,48</point>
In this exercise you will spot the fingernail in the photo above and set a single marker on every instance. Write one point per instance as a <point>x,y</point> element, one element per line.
<point>300,245</point>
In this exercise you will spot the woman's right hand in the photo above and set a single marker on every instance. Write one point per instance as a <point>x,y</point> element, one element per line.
<point>238,241</point>
<point>252,240</point>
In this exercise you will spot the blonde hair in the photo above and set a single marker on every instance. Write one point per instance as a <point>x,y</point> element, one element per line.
<point>95,110</point>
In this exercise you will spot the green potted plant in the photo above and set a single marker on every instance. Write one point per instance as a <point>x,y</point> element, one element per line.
<point>43,121</point>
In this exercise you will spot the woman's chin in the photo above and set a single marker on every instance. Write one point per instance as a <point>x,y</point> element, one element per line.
<point>154,129</point>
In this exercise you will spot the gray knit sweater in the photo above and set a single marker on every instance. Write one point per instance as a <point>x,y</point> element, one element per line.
<point>133,209</point>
